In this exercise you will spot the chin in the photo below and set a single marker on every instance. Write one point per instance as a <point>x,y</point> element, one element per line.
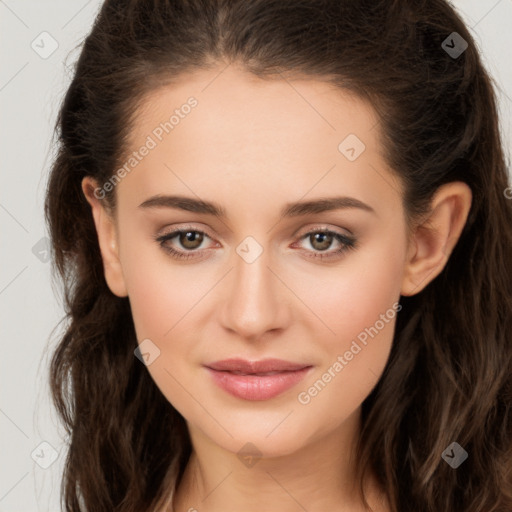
<point>265,439</point>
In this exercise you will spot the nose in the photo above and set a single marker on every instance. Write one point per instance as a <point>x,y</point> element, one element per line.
<point>256,299</point>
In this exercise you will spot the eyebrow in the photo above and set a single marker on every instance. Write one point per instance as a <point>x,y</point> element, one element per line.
<point>296,209</point>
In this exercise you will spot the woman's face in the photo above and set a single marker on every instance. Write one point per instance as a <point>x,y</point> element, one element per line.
<point>247,282</point>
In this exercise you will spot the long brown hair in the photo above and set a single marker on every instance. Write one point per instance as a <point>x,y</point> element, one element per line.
<point>449,375</point>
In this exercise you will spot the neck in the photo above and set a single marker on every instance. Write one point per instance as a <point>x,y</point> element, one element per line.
<point>318,475</point>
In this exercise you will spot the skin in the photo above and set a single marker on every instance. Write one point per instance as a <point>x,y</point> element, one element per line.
<point>253,146</point>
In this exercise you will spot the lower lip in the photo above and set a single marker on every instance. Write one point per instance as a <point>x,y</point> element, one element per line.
<point>258,387</point>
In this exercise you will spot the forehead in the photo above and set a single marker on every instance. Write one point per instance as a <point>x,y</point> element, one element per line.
<point>235,104</point>
<point>215,131</point>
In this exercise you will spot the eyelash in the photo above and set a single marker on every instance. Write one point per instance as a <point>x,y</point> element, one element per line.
<point>348,243</point>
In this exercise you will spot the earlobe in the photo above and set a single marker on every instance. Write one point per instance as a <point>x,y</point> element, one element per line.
<point>434,239</point>
<point>107,239</point>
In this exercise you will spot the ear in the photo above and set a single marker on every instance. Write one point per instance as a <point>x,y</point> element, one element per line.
<point>433,240</point>
<point>107,238</point>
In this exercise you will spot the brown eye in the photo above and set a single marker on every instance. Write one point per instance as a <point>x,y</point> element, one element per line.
<point>321,240</point>
<point>190,239</point>
<point>182,243</point>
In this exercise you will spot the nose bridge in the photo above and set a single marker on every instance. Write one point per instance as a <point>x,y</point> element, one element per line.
<point>253,302</point>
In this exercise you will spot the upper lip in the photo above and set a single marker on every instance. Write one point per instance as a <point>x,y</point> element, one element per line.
<point>262,366</point>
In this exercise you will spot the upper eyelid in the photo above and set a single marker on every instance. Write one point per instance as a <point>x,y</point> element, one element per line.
<point>318,227</point>
<point>301,233</point>
<point>176,231</point>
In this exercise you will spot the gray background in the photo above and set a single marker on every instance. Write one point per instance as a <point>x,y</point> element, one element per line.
<point>33,80</point>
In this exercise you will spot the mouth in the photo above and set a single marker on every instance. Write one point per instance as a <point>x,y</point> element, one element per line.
<point>260,374</point>
<point>257,380</point>
<point>263,366</point>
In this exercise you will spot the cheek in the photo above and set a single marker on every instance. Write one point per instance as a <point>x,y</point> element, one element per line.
<point>359,305</point>
<point>352,296</point>
<point>162,295</point>
<point>160,290</point>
